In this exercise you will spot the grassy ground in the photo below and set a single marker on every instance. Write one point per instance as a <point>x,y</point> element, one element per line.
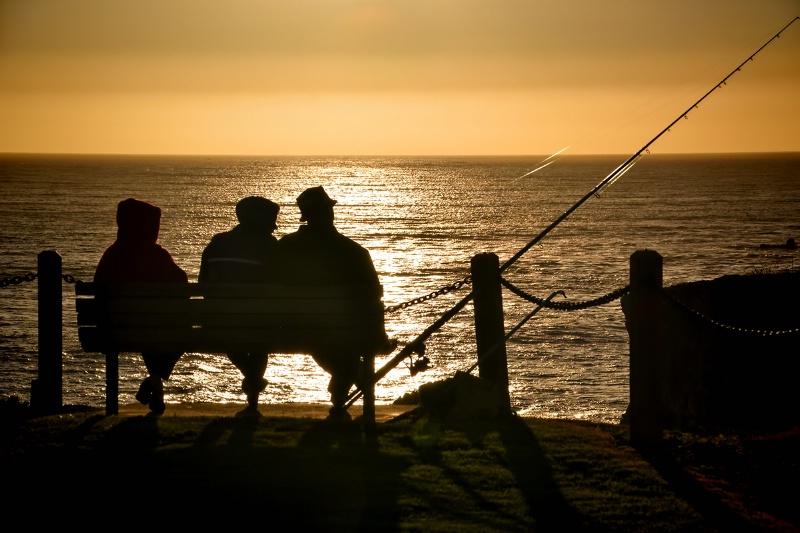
<point>415,473</point>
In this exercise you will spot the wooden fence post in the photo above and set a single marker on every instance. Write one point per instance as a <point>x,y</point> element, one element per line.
<point>646,333</point>
<point>489,324</point>
<point>46,395</point>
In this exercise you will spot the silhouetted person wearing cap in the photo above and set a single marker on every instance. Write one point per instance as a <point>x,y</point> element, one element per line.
<point>318,255</point>
<point>245,255</point>
<point>136,257</point>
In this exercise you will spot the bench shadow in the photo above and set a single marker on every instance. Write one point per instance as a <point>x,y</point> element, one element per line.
<point>320,477</point>
<point>270,472</point>
<point>358,483</point>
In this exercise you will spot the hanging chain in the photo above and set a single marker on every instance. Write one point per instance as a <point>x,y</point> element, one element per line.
<point>444,290</point>
<point>719,325</point>
<point>16,280</point>
<point>30,276</point>
<point>564,306</point>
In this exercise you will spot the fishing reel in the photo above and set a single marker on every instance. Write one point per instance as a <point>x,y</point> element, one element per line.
<point>415,366</point>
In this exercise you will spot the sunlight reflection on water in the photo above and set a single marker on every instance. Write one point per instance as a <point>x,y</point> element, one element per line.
<point>422,220</point>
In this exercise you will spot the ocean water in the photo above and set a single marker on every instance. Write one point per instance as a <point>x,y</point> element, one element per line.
<point>422,219</point>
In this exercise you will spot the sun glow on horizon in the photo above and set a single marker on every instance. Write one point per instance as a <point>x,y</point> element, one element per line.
<point>394,78</point>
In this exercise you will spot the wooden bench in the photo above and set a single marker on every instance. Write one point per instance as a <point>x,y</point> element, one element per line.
<point>226,318</point>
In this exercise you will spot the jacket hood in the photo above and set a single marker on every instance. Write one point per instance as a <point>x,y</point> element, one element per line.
<point>138,220</point>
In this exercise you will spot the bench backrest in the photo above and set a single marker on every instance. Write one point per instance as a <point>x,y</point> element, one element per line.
<point>227,318</point>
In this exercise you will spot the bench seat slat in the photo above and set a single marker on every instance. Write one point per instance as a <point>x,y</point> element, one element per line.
<point>308,321</point>
<point>225,305</point>
<point>225,321</point>
<point>299,340</point>
<point>222,290</point>
<point>229,318</point>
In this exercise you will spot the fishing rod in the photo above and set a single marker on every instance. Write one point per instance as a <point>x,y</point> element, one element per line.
<point>624,167</point>
<point>513,330</point>
<point>451,386</point>
<point>417,346</point>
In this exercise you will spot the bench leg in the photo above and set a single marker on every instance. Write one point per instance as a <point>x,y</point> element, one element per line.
<point>368,380</point>
<point>112,384</point>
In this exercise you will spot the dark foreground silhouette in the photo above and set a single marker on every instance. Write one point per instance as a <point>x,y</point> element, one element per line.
<point>415,473</point>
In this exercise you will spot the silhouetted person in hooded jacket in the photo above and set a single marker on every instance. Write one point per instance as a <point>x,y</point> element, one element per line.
<point>136,257</point>
<point>244,255</point>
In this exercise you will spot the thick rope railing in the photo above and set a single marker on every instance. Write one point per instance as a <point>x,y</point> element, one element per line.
<point>417,346</point>
<point>541,302</point>
<point>545,303</point>
<point>565,306</point>
<point>611,178</point>
<point>574,306</point>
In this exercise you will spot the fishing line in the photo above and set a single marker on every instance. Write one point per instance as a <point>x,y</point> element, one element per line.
<point>512,331</point>
<point>416,346</point>
<point>547,161</point>
<point>661,101</point>
<point>621,173</point>
<point>542,164</point>
<point>624,167</point>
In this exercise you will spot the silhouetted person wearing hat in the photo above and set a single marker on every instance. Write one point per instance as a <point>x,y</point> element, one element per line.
<point>318,255</point>
<point>136,257</point>
<point>245,255</point>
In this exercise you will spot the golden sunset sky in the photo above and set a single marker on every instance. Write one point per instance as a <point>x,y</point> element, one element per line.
<point>396,77</point>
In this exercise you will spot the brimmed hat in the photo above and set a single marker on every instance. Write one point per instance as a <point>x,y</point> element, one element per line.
<point>257,211</point>
<point>313,199</point>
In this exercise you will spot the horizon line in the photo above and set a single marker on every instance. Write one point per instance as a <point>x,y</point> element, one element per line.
<point>152,154</point>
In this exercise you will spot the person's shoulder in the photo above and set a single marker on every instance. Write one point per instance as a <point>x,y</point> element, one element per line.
<point>349,240</point>
<point>161,250</point>
<point>236,238</point>
<point>288,237</point>
<point>170,268</point>
<point>353,248</point>
<point>222,236</point>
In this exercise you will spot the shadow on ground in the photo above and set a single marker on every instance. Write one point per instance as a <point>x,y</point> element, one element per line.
<point>413,473</point>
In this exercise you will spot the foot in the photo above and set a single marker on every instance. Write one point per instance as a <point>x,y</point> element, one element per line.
<point>157,407</point>
<point>338,415</point>
<point>145,392</point>
<point>156,403</point>
<point>249,412</point>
